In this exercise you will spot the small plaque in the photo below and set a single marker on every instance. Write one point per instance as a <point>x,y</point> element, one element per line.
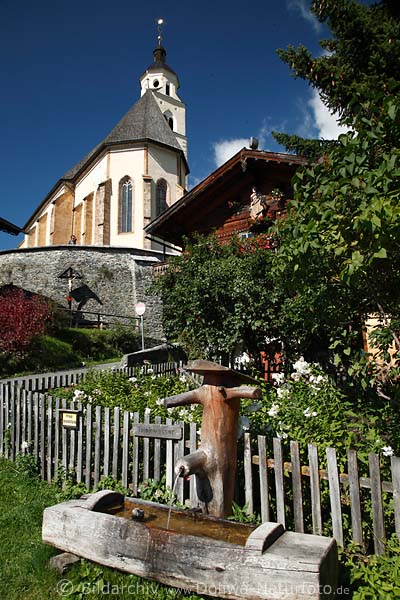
<point>167,432</point>
<point>70,418</point>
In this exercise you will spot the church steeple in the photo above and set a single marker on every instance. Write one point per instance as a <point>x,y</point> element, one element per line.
<point>164,83</point>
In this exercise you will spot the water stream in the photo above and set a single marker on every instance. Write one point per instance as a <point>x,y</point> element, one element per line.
<point>173,494</point>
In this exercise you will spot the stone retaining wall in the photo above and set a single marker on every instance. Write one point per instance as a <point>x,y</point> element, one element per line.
<point>119,277</point>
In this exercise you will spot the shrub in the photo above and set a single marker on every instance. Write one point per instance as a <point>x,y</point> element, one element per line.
<point>23,318</point>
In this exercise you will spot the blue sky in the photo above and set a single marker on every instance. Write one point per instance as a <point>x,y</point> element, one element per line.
<point>70,70</point>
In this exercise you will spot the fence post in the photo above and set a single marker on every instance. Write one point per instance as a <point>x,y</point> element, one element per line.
<point>296,485</point>
<point>280,494</point>
<point>248,479</point>
<point>355,505</point>
<point>263,473</point>
<point>334,494</point>
<point>377,508</point>
<point>315,490</point>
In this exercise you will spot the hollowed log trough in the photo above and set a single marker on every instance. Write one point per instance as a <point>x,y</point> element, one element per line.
<point>199,553</point>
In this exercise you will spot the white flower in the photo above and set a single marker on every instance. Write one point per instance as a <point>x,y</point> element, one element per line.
<point>147,393</point>
<point>147,411</point>
<point>282,392</point>
<point>154,376</point>
<point>182,378</point>
<point>278,378</point>
<point>309,413</point>
<point>24,446</point>
<point>78,394</point>
<point>160,401</point>
<point>296,376</point>
<point>133,379</point>
<point>302,366</point>
<point>387,451</point>
<point>281,435</point>
<point>273,411</point>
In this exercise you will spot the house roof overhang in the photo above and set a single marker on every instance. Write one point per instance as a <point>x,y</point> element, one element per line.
<point>189,214</point>
<point>8,227</point>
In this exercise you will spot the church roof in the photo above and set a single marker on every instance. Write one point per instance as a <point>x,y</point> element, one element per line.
<point>143,121</point>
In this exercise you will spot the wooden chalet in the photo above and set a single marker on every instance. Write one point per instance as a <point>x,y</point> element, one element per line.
<point>243,196</point>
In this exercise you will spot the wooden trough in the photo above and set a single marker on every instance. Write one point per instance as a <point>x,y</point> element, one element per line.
<point>200,553</point>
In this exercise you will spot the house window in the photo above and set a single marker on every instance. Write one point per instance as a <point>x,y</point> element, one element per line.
<point>161,196</point>
<point>126,205</point>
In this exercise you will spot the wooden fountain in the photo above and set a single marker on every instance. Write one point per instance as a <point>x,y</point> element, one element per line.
<point>203,553</point>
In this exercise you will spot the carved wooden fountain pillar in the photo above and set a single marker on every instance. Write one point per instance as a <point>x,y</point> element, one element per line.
<point>214,463</point>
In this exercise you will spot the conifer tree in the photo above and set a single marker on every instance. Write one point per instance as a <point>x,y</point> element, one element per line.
<point>362,57</point>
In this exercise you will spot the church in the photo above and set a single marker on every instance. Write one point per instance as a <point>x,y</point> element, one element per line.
<point>135,173</point>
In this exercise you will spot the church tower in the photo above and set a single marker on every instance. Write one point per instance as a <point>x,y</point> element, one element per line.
<point>135,173</point>
<point>164,82</point>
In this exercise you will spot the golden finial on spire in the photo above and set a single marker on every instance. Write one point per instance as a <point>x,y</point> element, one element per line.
<point>160,23</point>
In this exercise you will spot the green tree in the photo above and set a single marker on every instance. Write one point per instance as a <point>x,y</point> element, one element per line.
<point>362,57</point>
<point>220,298</point>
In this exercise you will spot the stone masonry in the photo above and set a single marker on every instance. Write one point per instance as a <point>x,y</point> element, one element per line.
<point>119,277</point>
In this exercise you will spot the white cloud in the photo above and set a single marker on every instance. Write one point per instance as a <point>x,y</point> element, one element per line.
<point>225,149</point>
<point>325,123</point>
<point>302,7</point>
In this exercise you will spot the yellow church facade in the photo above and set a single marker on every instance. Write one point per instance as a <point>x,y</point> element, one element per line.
<point>136,172</point>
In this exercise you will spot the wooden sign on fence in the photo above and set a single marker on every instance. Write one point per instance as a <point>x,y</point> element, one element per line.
<point>163,432</point>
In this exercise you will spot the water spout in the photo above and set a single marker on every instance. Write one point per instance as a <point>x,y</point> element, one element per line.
<point>214,464</point>
<point>191,464</point>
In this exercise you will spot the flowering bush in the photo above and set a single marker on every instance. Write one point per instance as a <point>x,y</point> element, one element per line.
<point>142,393</point>
<point>307,406</point>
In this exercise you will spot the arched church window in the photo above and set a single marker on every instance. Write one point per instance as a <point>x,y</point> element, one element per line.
<point>167,89</point>
<point>169,118</point>
<point>161,196</point>
<point>125,205</point>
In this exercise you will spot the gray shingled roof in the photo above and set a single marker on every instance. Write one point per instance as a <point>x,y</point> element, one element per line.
<point>144,121</point>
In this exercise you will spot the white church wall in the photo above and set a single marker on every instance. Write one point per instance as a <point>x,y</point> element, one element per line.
<point>163,165</point>
<point>128,162</point>
<point>91,179</point>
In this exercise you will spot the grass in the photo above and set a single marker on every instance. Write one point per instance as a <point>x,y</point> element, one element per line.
<point>24,572</point>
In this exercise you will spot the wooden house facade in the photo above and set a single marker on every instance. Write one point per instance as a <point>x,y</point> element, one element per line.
<point>243,196</point>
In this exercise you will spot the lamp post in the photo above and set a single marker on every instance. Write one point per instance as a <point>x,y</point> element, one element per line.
<point>140,309</point>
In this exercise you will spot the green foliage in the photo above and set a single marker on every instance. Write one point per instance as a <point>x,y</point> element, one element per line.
<point>339,244</point>
<point>144,392</point>
<point>98,344</point>
<point>67,486</point>
<point>376,577</point>
<point>241,515</point>
<point>217,298</point>
<point>27,465</point>
<point>307,406</point>
<point>158,491</point>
